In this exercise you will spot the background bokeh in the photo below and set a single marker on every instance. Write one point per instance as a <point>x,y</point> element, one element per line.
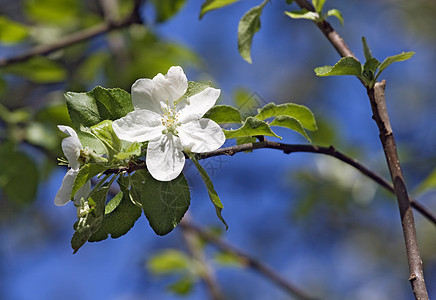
<point>315,220</point>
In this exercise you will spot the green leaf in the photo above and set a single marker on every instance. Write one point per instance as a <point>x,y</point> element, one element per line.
<point>18,174</point>
<point>104,132</point>
<point>224,114</point>
<point>97,105</point>
<point>213,195</point>
<point>97,198</point>
<point>63,12</point>
<point>164,202</point>
<point>336,13</point>
<point>169,262</point>
<point>195,88</point>
<point>245,140</point>
<point>38,69</point>
<point>251,127</point>
<point>128,150</point>
<point>166,9</point>
<point>209,5</point>
<point>11,31</point>
<point>248,26</point>
<point>291,123</point>
<point>427,184</point>
<point>183,286</point>
<point>42,135</point>
<point>86,173</point>
<point>54,113</point>
<point>229,259</point>
<point>120,216</point>
<point>391,59</point>
<point>299,112</point>
<point>366,51</point>
<point>114,202</point>
<point>369,69</point>
<point>346,66</point>
<point>318,4</point>
<point>303,14</point>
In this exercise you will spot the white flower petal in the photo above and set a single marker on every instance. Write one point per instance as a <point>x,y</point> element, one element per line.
<point>153,94</point>
<point>201,136</point>
<point>139,126</point>
<point>68,130</point>
<point>82,192</point>
<point>197,105</point>
<point>71,147</point>
<point>143,96</point>
<point>63,196</point>
<point>165,159</point>
<point>171,86</point>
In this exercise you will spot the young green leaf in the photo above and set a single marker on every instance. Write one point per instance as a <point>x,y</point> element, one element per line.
<point>303,14</point>
<point>369,69</point>
<point>213,195</point>
<point>248,26</point>
<point>104,132</point>
<point>210,5</point>
<point>318,4</point>
<point>100,104</point>
<point>224,114</point>
<point>251,127</point>
<point>164,202</point>
<point>291,123</point>
<point>39,69</point>
<point>345,66</point>
<point>53,11</point>
<point>427,184</point>
<point>391,59</point>
<point>169,262</point>
<point>336,13</point>
<point>120,216</point>
<point>299,112</point>
<point>366,51</point>
<point>165,9</point>
<point>86,173</point>
<point>93,220</point>
<point>11,31</point>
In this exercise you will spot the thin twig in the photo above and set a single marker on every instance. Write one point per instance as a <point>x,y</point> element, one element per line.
<point>247,260</point>
<point>380,115</point>
<point>195,248</point>
<point>75,38</point>
<point>291,148</point>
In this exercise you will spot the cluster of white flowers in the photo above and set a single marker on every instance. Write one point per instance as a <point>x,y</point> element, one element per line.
<point>165,118</point>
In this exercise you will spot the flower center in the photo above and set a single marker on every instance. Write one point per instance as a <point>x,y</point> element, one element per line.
<point>170,120</point>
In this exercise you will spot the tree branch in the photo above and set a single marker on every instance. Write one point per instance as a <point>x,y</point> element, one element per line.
<point>195,248</point>
<point>247,260</point>
<point>292,148</point>
<point>380,115</point>
<point>76,37</point>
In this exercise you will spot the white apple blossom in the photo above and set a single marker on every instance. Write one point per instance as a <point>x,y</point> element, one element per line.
<point>170,122</point>
<point>71,147</point>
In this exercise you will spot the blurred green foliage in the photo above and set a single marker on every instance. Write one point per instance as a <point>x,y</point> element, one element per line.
<point>34,104</point>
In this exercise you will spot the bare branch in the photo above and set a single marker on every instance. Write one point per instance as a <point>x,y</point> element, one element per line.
<point>247,260</point>
<point>291,148</point>
<point>380,115</point>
